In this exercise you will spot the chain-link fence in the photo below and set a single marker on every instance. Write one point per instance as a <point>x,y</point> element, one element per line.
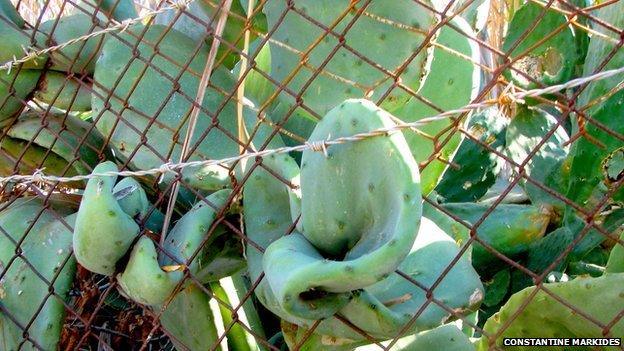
<point>303,175</point>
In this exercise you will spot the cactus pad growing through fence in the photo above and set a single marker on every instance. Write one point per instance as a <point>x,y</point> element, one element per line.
<point>292,262</point>
<point>359,201</point>
<point>101,216</point>
<point>189,319</point>
<point>194,233</point>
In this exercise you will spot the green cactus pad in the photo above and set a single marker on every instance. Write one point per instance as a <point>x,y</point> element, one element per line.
<point>160,131</point>
<point>209,178</point>
<point>8,12</point>
<point>589,175</point>
<point>525,131</point>
<point>116,9</point>
<point>63,92</point>
<point>101,216</point>
<point>478,165</point>
<point>375,35</point>
<point>21,83</point>
<point>22,291</point>
<point>545,317</point>
<point>204,13</point>
<point>192,233</point>
<point>509,229</point>
<point>13,42</point>
<point>270,206</point>
<point>143,280</point>
<point>189,319</point>
<point>131,198</point>
<point>63,135</point>
<point>600,48</point>
<point>79,57</point>
<point>370,217</point>
<point>553,61</point>
<point>453,81</point>
<point>18,157</point>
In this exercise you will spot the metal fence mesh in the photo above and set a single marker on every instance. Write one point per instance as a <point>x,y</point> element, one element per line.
<point>96,316</point>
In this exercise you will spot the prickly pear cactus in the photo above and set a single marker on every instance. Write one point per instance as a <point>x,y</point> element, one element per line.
<point>63,92</point>
<point>292,262</point>
<point>79,57</point>
<point>193,238</point>
<point>547,165</point>
<point>143,280</point>
<point>9,13</point>
<point>374,35</point>
<point>590,175</point>
<point>371,216</point>
<point>453,81</point>
<point>23,82</point>
<point>600,49</point>
<point>478,165</point>
<point>509,229</point>
<point>101,216</point>
<point>13,41</point>
<point>127,126</point>
<point>114,9</point>
<point>545,317</point>
<point>554,60</point>
<point>204,18</point>
<point>189,319</point>
<point>22,291</point>
<point>63,135</point>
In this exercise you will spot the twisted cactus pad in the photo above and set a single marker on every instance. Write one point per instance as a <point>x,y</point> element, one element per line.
<point>305,280</point>
<point>375,34</point>
<point>360,204</point>
<point>101,216</point>
<point>22,291</point>
<point>545,317</point>
<point>143,280</point>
